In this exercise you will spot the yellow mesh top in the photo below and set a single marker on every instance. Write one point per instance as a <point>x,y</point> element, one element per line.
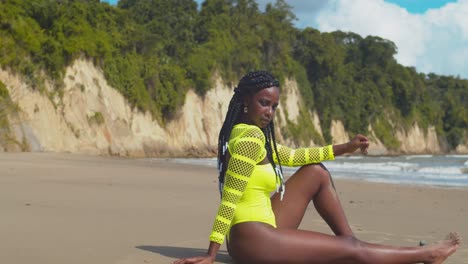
<point>248,184</point>
<point>302,156</point>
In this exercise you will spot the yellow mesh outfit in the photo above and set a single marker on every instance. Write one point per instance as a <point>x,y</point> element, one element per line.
<point>247,188</point>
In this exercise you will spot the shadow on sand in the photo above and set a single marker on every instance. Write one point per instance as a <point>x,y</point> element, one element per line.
<point>181,252</point>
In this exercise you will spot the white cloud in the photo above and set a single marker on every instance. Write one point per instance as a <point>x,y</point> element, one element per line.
<point>436,41</point>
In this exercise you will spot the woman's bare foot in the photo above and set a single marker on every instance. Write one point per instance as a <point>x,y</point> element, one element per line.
<point>443,249</point>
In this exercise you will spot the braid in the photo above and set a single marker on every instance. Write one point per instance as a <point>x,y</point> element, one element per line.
<point>248,85</point>
<point>279,173</point>
<point>270,146</point>
<point>231,116</point>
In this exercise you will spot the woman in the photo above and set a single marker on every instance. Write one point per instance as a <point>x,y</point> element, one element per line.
<point>260,229</point>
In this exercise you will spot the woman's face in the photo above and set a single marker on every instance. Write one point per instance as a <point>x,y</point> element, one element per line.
<point>261,106</point>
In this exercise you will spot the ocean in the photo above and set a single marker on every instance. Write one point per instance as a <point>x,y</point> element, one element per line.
<point>432,170</point>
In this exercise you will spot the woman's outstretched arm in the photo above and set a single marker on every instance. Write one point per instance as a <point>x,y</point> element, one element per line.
<point>303,156</point>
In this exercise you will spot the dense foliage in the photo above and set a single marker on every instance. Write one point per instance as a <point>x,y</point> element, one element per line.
<point>153,51</point>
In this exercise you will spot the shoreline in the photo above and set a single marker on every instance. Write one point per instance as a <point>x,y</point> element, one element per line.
<point>73,208</point>
<point>419,170</point>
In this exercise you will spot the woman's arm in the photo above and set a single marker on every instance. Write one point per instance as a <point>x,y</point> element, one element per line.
<point>358,142</point>
<point>246,153</point>
<point>303,156</point>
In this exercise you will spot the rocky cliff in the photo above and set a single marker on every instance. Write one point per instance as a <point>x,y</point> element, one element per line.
<point>92,117</point>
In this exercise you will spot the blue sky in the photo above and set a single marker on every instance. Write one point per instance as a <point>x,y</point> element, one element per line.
<point>431,35</point>
<point>419,6</point>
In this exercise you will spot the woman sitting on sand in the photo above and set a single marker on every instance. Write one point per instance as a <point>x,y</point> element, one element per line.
<point>261,229</point>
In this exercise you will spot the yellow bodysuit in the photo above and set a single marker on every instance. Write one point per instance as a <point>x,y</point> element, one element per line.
<point>248,184</point>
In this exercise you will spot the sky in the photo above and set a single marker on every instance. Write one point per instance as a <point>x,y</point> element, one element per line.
<point>431,35</point>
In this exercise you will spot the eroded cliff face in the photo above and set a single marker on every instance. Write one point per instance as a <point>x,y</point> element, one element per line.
<point>418,141</point>
<point>92,117</point>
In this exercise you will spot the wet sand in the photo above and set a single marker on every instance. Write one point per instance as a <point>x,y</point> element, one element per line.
<point>66,208</point>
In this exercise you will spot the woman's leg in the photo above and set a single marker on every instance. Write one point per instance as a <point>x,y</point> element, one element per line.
<point>314,183</point>
<point>310,183</point>
<point>258,243</point>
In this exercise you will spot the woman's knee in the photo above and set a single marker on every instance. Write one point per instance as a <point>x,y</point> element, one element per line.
<point>314,167</point>
<point>317,171</point>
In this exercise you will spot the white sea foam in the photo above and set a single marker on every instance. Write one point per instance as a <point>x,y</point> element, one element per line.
<point>417,156</point>
<point>457,156</point>
<point>452,171</point>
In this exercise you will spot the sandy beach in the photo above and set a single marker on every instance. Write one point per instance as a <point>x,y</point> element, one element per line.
<point>67,208</point>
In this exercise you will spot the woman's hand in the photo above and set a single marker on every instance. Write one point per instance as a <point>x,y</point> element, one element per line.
<point>209,258</point>
<point>358,142</point>
<point>198,260</point>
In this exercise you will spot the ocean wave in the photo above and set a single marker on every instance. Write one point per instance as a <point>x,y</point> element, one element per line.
<point>419,169</point>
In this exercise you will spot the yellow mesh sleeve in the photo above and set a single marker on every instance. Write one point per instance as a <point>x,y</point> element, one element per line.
<point>302,156</point>
<point>248,150</point>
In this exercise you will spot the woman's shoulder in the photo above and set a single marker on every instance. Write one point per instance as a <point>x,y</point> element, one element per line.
<point>242,130</point>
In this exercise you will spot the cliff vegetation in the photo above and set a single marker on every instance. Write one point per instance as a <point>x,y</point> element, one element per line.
<point>154,51</point>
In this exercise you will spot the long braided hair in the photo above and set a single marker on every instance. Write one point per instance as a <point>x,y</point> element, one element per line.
<point>248,85</point>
